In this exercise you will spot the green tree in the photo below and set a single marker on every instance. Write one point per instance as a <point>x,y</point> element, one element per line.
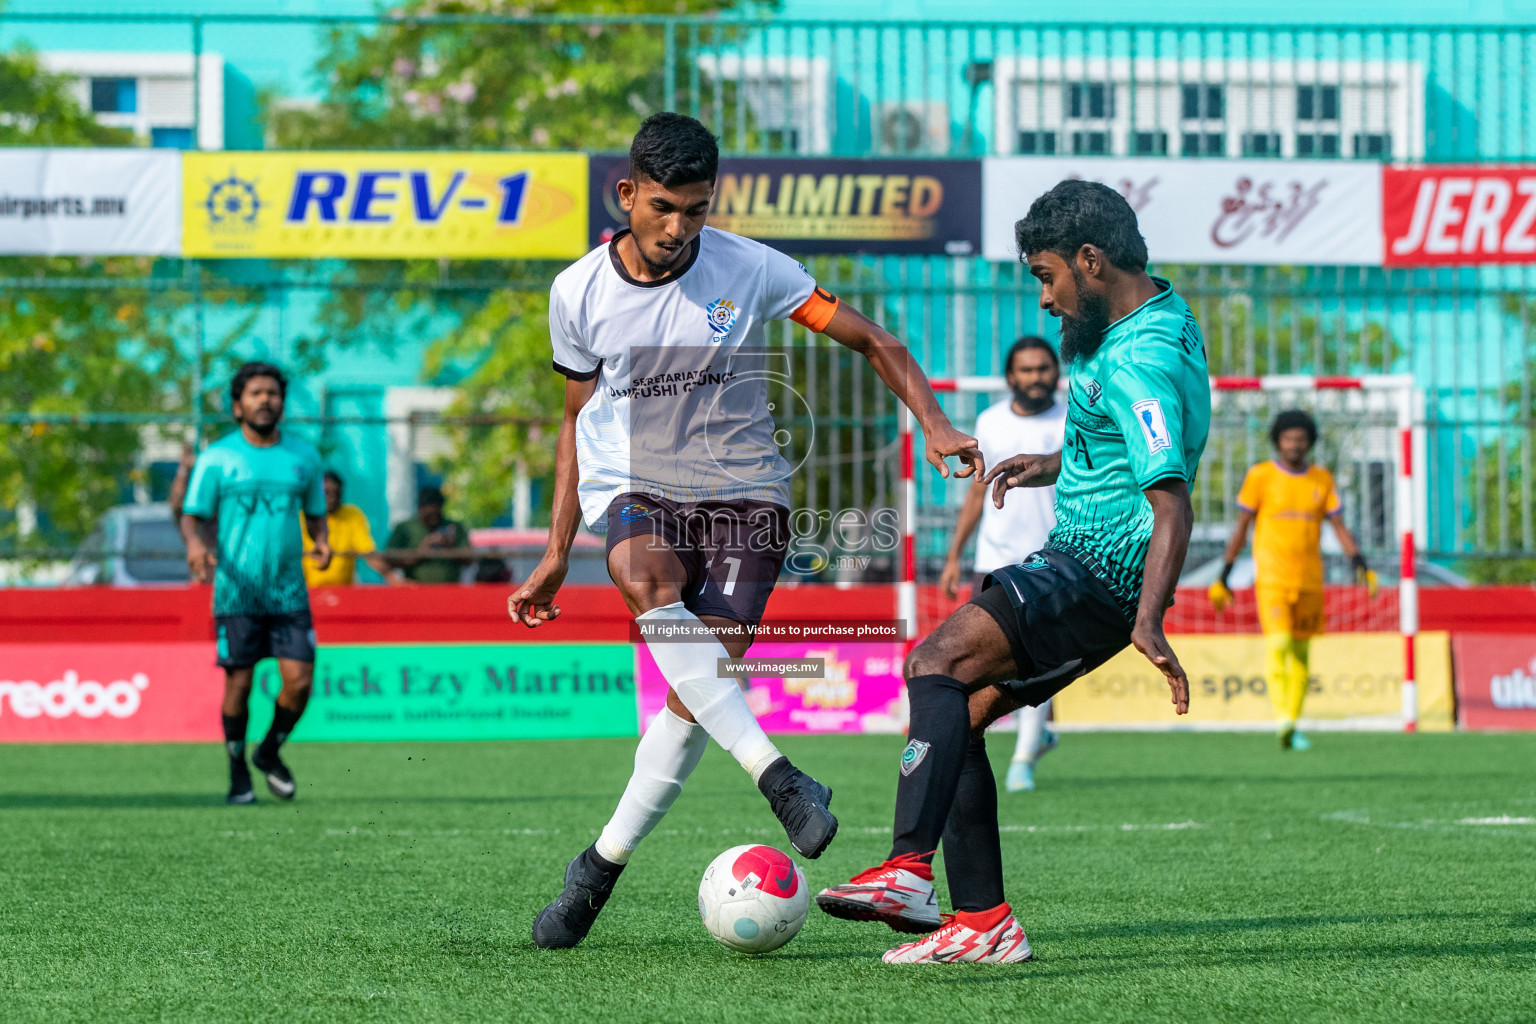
<point>71,351</point>
<point>521,86</point>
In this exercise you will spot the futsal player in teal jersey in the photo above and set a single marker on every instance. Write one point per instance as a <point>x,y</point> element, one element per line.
<point>1138,413</point>
<point>256,482</point>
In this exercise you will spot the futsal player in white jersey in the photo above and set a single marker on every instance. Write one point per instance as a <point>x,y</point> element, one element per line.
<point>668,446</point>
<point>1030,421</point>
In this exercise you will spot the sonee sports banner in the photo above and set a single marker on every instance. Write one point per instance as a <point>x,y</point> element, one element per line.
<point>385,205</point>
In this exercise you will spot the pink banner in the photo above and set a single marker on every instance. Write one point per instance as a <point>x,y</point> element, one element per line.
<point>109,693</point>
<point>861,691</point>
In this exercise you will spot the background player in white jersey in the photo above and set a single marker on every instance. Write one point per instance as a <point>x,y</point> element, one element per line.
<point>1029,422</point>
<point>668,446</point>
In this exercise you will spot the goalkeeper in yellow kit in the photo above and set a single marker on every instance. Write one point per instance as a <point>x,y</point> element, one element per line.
<point>1289,499</point>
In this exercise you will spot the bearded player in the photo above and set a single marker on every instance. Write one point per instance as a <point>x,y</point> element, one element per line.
<point>1286,501</point>
<point>1137,417</point>
<point>668,446</point>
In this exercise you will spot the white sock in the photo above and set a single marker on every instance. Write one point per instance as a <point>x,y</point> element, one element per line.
<point>1031,725</point>
<point>691,669</point>
<point>668,753</point>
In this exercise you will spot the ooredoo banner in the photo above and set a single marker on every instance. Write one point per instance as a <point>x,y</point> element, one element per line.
<point>1459,215</point>
<point>859,688</point>
<point>1495,681</point>
<point>90,202</point>
<point>1356,682</point>
<point>109,693</point>
<point>1209,211</point>
<point>812,204</point>
<point>382,205</point>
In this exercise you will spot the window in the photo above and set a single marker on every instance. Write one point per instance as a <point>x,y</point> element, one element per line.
<point>1317,103</point>
<point>1090,143</point>
<point>1149,143</point>
<point>1202,101</point>
<point>1373,144</point>
<point>1203,144</point>
<point>114,95</point>
<point>1091,99</point>
<point>171,138</point>
<point>1037,143</point>
<point>1317,145</point>
<point>1261,144</point>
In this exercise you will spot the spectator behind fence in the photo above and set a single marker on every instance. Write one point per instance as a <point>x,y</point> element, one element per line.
<point>428,530</point>
<point>350,538</point>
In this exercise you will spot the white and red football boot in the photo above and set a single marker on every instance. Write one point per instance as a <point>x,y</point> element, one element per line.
<point>898,892</point>
<point>979,937</point>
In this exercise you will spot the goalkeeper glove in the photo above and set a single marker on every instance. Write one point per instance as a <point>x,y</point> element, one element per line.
<point>1364,574</point>
<point>1220,594</point>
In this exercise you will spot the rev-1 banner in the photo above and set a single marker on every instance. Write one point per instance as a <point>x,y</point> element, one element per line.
<point>1209,211</point>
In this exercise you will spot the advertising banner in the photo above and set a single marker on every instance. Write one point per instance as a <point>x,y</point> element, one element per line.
<point>109,693</point>
<point>90,202</point>
<point>1209,211</point>
<point>369,205</point>
<point>461,692</point>
<point>813,205</point>
<point>171,692</point>
<point>860,689</point>
<point>1356,683</point>
<point>1495,680</point>
<point>1459,215</point>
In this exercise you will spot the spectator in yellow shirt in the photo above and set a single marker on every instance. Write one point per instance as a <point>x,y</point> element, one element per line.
<point>1288,499</point>
<point>351,539</point>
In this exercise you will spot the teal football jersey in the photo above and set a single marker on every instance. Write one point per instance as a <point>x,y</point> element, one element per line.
<point>256,494</point>
<point>1138,412</point>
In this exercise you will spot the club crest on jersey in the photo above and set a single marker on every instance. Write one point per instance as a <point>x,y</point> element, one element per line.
<point>913,756</point>
<point>1093,391</point>
<point>722,317</point>
<point>1149,414</point>
<point>629,513</point>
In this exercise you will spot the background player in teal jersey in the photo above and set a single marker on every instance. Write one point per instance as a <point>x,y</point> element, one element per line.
<point>1138,413</point>
<point>255,483</point>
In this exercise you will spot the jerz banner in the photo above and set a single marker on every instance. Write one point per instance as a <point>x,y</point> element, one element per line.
<point>90,202</point>
<point>1209,211</point>
<point>1459,215</point>
<point>385,205</point>
<point>815,205</point>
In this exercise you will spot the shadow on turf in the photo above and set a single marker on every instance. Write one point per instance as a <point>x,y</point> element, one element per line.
<point>163,801</point>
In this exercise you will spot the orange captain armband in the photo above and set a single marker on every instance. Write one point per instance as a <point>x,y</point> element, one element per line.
<point>816,312</point>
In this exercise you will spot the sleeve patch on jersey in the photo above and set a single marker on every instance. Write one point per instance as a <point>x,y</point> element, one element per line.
<point>816,312</point>
<point>1149,414</point>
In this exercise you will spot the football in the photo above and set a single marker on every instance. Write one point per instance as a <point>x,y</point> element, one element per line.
<point>753,899</point>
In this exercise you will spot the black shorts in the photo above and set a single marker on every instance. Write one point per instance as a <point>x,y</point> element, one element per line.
<point>1060,619</point>
<point>246,639</point>
<point>731,551</point>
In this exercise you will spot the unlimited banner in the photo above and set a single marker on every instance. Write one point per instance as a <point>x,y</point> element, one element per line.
<point>812,205</point>
<point>368,205</point>
<point>1495,680</point>
<point>1356,682</point>
<point>1209,211</point>
<point>90,202</point>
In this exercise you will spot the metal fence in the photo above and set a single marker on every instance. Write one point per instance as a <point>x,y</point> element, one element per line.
<point>945,89</point>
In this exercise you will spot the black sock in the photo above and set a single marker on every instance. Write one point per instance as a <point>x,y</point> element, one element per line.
<point>774,774</point>
<point>283,722</point>
<point>973,850</point>
<point>931,762</point>
<point>234,735</point>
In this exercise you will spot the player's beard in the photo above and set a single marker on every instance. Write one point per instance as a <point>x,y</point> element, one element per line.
<point>1034,399</point>
<point>1082,335</point>
<point>263,427</point>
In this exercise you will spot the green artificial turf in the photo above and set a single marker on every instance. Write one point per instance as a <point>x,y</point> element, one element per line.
<point>1160,877</point>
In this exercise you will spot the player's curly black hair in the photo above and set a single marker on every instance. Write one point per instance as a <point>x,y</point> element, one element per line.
<point>1077,213</point>
<point>674,149</point>
<point>248,371</point>
<point>1026,343</point>
<point>1290,420</point>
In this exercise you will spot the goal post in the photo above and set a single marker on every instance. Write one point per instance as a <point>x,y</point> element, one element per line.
<point>1368,438</point>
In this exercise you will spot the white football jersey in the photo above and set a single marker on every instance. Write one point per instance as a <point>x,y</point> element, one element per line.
<point>681,406</point>
<point>1012,533</point>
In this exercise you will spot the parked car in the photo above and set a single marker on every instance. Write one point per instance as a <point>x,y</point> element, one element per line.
<point>132,546</point>
<point>521,550</point>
